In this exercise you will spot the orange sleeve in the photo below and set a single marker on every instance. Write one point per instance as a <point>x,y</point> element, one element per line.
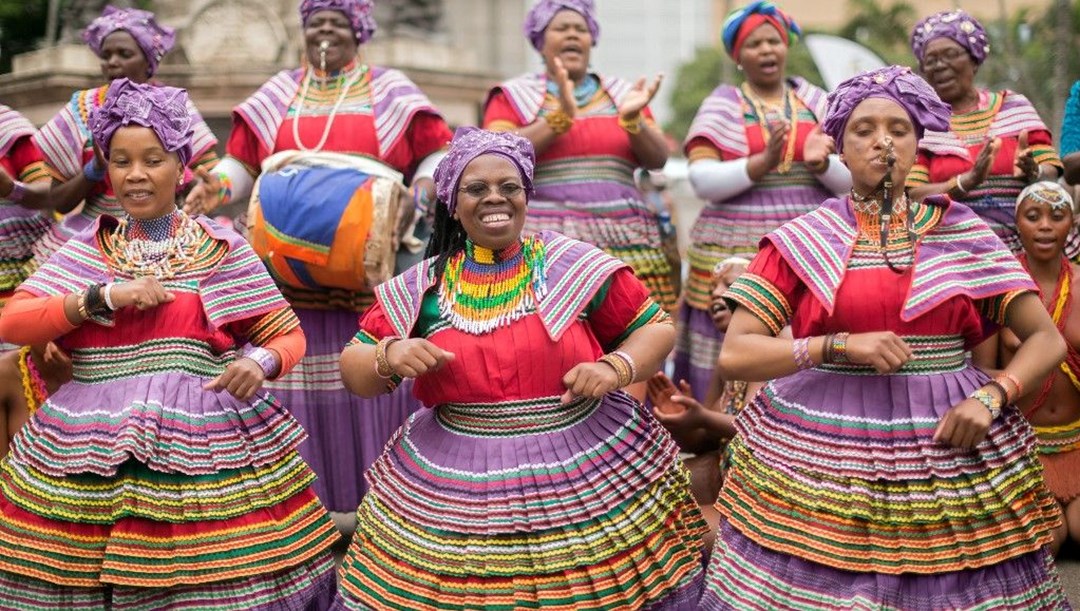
<point>290,348</point>
<point>30,320</point>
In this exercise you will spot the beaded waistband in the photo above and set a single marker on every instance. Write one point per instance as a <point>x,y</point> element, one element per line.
<point>931,354</point>
<point>93,365</point>
<point>527,417</point>
<point>1057,439</point>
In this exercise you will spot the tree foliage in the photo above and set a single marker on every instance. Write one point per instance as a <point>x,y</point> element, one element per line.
<point>22,28</point>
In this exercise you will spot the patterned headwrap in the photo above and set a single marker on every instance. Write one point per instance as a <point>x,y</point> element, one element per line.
<point>1047,192</point>
<point>955,25</point>
<point>162,109</point>
<point>544,11</point>
<point>360,13</point>
<point>740,22</point>
<point>472,142</point>
<point>896,83</point>
<point>154,39</point>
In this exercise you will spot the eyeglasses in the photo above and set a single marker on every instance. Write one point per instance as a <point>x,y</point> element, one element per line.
<point>480,190</point>
<point>946,57</point>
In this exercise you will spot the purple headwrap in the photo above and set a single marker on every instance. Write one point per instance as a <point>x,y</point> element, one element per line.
<point>896,83</point>
<point>154,39</point>
<point>162,109</point>
<point>472,142</point>
<point>955,25</point>
<point>359,12</point>
<point>544,11</point>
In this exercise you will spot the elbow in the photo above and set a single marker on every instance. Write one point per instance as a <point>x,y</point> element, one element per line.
<point>727,362</point>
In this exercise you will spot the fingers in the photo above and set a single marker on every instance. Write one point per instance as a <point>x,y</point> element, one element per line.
<point>943,432</point>
<point>415,357</point>
<point>214,385</point>
<point>685,388</point>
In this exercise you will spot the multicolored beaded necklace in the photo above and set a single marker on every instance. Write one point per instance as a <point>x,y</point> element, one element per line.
<point>789,115</point>
<point>33,385</point>
<point>484,289</point>
<point>160,247</point>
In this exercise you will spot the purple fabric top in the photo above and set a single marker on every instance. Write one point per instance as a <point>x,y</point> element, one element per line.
<point>359,12</point>
<point>162,109</point>
<point>470,143</point>
<point>896,83</point>
<point>955,25</point>
<point>544,11</point>
<point>154,39</point>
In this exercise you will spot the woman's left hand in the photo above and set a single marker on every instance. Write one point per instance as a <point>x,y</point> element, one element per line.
<point>242,378</point>
<point>816,149</point>
<point>639,97</point>
<point>589,380</point>
<point>1026,166</point>
<point>964,426</point>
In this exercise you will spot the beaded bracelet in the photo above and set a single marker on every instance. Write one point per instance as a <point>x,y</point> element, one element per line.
<point>1006,376</point>
<point>18,192</point>
<point>81,304</point>
<point>632,126</point>
<point>801,350</point>
<point>383,369</point>
<point>225,190</point>
<point>621,367</point>
<point>984,397</point>
<point>92,172</point>
<point>827,348</point>
<point>559,121</point>
<point>838,348</point>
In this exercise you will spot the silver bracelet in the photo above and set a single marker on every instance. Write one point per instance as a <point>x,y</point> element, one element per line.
<point>107,292</point>
<point>266,360</point>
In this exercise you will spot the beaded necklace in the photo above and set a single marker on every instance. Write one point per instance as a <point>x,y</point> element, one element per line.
<point>484,289</point>
<point>350,79</point>
<point>583,93</point>
<point>1059,313</point>
<point>789,114</point>
<point>33,385</point>
<point>160,247</point>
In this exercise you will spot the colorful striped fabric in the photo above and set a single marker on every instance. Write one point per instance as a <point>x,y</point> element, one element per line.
<point>132,486</point>
<point>584,181</point>
<point>67,144</point>
<point>837,494</point>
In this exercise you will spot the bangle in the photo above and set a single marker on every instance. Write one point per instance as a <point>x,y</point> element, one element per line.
<point>827,348</point>
<point>383,369</point>
<point>17,193</point>
<point>959,185</point>
<point>92,172</point>
<point>1004,394</point>
<point>629,363</point>
<point>632,126</point>
<point>266,360</point>
<point>559,121</point>
<point>1006,376</point>
<point>81,304</point>
<point>988,400</point>
<point>819,168</point>
<point>94,302</point>
<point>838,349</point>
<point>801,350</point>
<point>107,293</point>
<point>621,367</point>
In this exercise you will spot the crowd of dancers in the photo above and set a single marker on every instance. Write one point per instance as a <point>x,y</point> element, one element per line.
<point>429,370</point>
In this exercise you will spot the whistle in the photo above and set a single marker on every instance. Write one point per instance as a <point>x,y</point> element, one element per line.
<point>323,46</point>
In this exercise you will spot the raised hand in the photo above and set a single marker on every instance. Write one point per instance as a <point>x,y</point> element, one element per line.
<point>242,378</point>
<point>983,162</point>
<point>639,97</point>
<point>660,391</point>
<point>566,88</point>
<point>816,149</point>
<point>416,356</point>
<point>205,196</point>
<point>143,293</point>
<point>1024,163</point>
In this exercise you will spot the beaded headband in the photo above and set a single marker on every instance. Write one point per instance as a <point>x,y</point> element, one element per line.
<point>1046,192</point>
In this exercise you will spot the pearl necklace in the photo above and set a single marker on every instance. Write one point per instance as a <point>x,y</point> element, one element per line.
<point>349,82</point>
<point>160,247</point>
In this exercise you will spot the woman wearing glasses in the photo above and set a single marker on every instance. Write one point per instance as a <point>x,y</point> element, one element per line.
<point>996,145</point>
<point>590,133</point>
<point>533,481</point>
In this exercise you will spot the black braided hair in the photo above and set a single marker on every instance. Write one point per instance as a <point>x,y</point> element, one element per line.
<point>447,238</point>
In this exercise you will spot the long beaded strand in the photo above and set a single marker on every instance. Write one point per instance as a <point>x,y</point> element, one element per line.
<point>34,387</point>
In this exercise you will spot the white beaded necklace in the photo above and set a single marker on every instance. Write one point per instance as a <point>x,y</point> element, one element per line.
<point>349,82</point>
<point>162,257</point>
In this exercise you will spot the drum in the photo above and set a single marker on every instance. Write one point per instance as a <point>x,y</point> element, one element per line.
<point>325,220</point>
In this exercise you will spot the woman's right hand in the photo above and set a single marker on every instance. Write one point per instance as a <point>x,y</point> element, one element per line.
<point>983,162</point>
<point>566,89</point>
<point>143,293</point>
<point>882,350</point>
<point>413,357</point>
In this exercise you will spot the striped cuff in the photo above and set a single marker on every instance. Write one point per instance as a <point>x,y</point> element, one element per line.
<point>762,298</point>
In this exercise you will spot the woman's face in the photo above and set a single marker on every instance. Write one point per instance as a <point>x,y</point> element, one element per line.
<point>491,202</point>
<point>1043,229</point>
<point>763,56</point>
<point>724,276</point>
<point>873,123</point>
<point>122,57</point>
<point>949,69</point>
<point>334,28</point>
<point>144,175</point>
<point>567,37</point>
